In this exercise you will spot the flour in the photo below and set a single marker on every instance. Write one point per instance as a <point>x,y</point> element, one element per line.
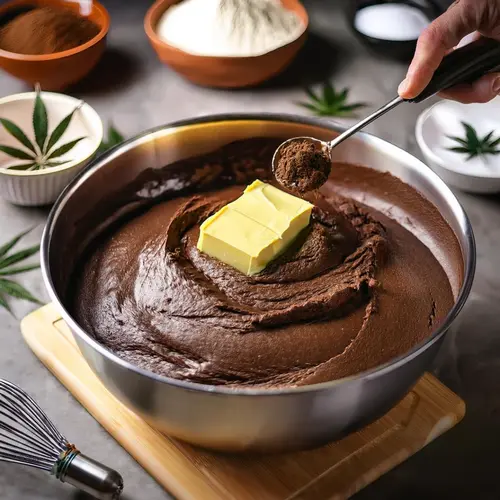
<point>229,28</point>
<point>391,21</point>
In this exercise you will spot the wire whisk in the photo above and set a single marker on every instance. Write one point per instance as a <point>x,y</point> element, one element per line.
<point>28,437</point>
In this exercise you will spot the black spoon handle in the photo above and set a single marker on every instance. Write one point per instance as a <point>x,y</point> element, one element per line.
<point>463,65</point>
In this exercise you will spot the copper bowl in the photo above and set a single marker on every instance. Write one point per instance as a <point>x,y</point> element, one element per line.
<point>223,72</point>
<point>61,69</point>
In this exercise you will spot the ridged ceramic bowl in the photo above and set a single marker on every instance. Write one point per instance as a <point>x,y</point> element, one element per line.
<point>61,69</point>
<point>223,72</point>
<point>42,187</point>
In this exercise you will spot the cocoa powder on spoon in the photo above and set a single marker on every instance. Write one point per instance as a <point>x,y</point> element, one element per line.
<point>302,167</point>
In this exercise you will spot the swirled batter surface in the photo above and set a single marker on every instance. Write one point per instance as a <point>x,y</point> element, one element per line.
<point>354,290</point>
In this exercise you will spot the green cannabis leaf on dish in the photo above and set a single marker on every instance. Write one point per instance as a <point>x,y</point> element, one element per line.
<point>329,102</point>
<point>473,145</point>
<point>11,264</point>
<point>114,138</point>
<point>44,152</point>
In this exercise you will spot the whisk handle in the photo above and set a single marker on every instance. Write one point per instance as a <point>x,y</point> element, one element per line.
<point>93,478</point>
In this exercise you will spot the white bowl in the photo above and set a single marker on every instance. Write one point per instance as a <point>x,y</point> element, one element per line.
<point>478,175</point>
<point>42,187</point>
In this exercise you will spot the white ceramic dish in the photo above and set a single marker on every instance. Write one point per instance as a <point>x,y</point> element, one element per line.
<point>478,175</point>
<point>42,187</point>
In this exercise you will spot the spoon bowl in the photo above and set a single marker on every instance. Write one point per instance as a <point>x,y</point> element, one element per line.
<point>319,147</point>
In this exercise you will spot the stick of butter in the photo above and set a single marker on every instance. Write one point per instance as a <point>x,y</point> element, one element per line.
<point>254,229</point>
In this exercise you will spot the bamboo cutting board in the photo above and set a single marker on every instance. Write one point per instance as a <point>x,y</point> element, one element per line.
<point>336,471</point>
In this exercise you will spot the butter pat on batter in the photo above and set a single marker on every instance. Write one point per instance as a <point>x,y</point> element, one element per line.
<point>251,231</point>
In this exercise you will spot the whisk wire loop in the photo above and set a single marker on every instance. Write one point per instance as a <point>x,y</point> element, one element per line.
<point>27,436</point>
<point>34,452</point>
<point>33,409</point>
<point>25,439</point>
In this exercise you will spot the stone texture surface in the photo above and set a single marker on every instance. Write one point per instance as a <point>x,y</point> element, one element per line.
<point>134,90</point>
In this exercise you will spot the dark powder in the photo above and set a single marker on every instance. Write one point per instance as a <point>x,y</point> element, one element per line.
<point>302,167</point>
<point>46,31</point>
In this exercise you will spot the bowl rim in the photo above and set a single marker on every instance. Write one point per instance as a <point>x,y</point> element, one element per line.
<point>155,39</point>
<point>431,155</point>
<point>71,164</point>
<point>463,293</point>
<point>64,53</point>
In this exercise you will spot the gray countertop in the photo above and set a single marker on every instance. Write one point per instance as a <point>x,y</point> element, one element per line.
<point>137,92</point>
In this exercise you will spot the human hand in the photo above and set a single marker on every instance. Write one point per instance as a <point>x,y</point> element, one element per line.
<point>481,17</point>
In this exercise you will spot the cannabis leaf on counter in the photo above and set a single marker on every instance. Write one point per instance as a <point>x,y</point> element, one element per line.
<point>473,145</point>
<point>114,138</point>
<point>10,265</point>
<point>42,153</point>
<point>329,102</point>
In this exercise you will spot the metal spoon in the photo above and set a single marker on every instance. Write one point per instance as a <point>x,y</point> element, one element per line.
<point>463,65</point>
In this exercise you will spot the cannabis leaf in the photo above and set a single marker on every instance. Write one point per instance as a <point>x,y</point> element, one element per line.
<point>10,265</point>
<point>473,145</point>
<point>114,138</point>
<point>330,102</point>
<point>39,154</point>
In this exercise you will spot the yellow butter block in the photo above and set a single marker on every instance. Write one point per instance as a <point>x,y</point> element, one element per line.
<point>252,230</point>
<point>282,213</point>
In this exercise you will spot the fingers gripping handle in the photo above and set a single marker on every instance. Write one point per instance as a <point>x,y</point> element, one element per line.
<point>464,65</point>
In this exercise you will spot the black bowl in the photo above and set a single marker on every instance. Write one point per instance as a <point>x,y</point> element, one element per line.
<point>398,50</point>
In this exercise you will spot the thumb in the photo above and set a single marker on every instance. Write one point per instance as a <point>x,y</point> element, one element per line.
<point>483,90</point>
<point>435,41</point>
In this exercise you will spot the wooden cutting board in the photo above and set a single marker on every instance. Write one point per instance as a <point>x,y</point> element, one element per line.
<point>336,471</point>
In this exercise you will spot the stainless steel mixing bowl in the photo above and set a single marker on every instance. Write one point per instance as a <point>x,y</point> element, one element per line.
<point>243,419</point>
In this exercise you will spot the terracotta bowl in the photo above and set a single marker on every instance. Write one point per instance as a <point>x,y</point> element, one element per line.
<point>223,72</point>
<point>61,69</point>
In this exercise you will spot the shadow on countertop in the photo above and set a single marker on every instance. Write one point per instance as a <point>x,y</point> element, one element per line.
<point>318,60</point>
<point>80,495</point>
<point>117,69</point>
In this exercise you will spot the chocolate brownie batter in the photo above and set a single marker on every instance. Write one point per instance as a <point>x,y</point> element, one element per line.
<point>354,290</point>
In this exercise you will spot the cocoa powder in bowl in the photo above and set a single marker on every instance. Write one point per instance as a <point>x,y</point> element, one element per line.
<point>302,167</point>
<point>46,30</point>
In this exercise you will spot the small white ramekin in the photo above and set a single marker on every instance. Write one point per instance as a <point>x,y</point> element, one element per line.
<point>42,187</point>
<point>443,119</point>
